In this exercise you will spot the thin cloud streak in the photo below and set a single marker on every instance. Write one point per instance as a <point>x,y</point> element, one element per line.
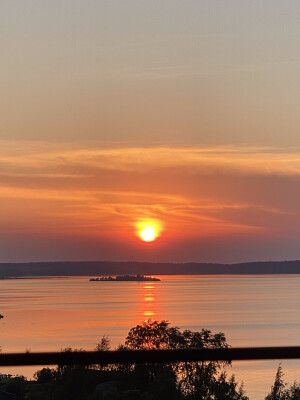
<point>243,159</point>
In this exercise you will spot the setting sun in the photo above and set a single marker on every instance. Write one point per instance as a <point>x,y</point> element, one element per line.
<point>148,230</point>
<point>148,234</point>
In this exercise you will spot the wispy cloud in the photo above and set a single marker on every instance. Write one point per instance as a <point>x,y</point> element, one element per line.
<point>195,190</point>
<point>260,160</point>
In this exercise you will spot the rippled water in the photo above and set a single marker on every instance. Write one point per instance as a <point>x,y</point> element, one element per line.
<point>54,313</point>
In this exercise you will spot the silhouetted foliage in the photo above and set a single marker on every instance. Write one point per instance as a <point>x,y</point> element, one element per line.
<point>45,375</point>
<point>15,385</point>
<point>201,380</point>
<point>279,390</point>
<point>104,344</point>
<point>278,386</point>
<point>148,381</point>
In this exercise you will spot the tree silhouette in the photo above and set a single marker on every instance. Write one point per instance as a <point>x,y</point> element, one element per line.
<point>279,390</point>
<point>278,386</point>
<point>201,380</point>
<point>145,381</point>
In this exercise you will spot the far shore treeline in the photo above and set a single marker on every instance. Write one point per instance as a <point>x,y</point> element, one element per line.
<point>96,268</point>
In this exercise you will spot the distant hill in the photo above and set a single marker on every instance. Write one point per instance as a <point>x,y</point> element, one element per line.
<point>96,268</point>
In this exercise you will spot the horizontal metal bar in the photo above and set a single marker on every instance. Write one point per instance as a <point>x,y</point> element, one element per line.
<point>149,356</point>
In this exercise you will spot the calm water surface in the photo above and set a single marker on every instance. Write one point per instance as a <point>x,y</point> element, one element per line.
<point>51,314</point>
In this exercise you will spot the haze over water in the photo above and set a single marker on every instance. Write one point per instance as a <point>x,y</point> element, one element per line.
<point>54,313</point>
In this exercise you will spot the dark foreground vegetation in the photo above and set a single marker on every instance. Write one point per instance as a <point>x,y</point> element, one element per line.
<point>280,391</point>
<point>174,381</point>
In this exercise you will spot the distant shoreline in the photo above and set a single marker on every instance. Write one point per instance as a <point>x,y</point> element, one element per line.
<point>87,277</point>
<point>105,268</point>
<point>9,278</point>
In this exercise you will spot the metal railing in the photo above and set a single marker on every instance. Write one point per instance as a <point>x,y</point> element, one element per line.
<point>149,356</point>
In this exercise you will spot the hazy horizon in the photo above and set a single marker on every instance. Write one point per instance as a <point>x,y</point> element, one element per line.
<point>147,262</point>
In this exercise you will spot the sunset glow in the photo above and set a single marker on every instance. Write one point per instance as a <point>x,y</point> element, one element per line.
<point>110,146</point>
<point>149,301</point>
<point>148,234</point>
<point>148,230</point>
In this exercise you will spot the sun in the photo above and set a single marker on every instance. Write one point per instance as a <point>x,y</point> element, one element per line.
<point>148,234</point>
<point>148,230</point>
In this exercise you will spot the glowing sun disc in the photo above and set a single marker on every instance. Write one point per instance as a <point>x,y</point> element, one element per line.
<point>148,230</point>
<point>148,234</point>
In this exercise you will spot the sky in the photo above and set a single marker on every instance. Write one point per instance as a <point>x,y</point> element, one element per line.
<point>181,112</point>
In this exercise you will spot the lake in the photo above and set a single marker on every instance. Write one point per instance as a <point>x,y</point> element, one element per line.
<point>254,310</point>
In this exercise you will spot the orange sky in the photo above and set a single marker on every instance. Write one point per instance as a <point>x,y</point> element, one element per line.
<point>113,112</point>
<point>214,203</point>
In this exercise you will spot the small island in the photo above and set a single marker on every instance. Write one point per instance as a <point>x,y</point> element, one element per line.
<point>121,278</point>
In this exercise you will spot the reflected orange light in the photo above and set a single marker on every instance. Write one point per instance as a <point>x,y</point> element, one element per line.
<point>149,298</point>
<point>148,313</point>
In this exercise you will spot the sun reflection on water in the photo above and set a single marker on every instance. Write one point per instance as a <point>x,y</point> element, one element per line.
<point>149,298</point>
<point>148,314</point>
<point>149,303</point>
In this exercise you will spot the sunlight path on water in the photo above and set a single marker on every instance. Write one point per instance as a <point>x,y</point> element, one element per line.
<point>50,314</point>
